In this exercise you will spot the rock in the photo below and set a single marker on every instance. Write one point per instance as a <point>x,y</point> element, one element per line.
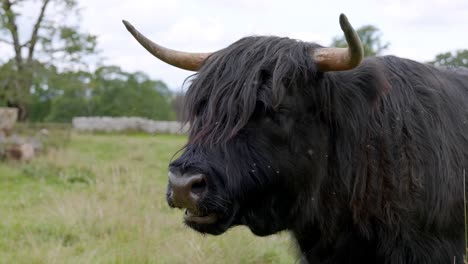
<point>27,152</point>
<point>44,132</point>
<point>36,143</point>
<point>8,117</point>
<point>23,152</point>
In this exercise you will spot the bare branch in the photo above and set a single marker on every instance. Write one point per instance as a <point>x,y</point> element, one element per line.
<point>6,41</point>
<point>63,49</point>
<point>25,44</point>
<point>13,28</point>
<point>34,34</point>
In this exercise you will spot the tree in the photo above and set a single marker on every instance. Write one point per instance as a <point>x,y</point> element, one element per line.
<point>68,95</point>
<point>108,91</point>
<point>118,93</point>
<point>178,106</point>
<point>51,40</point>
<point>371,40</point>
<point>458,58</point>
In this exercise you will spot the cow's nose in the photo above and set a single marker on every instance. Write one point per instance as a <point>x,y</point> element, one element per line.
<point>185,190</point>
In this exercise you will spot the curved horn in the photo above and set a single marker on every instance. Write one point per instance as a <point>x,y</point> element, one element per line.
<point>341,59</point>
<point>180,59</point>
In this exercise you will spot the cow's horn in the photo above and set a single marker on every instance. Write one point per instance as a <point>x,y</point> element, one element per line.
<point>341,59</point>
<point>180,59</point>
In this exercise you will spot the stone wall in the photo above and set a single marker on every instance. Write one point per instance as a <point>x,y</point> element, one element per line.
<point>122,124</point>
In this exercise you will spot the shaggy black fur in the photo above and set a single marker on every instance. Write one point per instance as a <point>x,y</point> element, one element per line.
<point>362,166</point>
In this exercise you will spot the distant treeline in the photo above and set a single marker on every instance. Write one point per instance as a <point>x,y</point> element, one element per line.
<point>44,77</point>
<point>108,91</point>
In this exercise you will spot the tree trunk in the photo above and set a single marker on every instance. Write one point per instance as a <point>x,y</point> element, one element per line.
<point>22,109</point>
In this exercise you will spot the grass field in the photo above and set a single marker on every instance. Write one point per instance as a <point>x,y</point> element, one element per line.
<point>101,199</point>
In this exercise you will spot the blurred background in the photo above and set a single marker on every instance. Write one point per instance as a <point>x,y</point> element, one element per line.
<point>61,59</point>
<point>89,120</point>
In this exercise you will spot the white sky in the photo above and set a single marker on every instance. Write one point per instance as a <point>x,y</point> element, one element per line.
<point>416,29</point>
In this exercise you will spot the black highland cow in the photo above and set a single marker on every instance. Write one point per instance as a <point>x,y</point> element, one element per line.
<point>363,161</point>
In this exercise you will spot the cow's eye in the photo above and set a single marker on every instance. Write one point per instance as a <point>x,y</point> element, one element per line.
<point>280,115</point>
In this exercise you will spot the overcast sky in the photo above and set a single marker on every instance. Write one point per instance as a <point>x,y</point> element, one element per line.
<point>416,29</point>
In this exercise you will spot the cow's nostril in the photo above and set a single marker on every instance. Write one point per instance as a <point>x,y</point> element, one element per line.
<point>199,186</point>
<point>185,190</point>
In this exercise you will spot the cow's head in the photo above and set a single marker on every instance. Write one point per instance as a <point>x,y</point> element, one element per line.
<point>257,136</point>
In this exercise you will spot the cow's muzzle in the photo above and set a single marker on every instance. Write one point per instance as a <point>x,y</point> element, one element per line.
<point>185,191</point>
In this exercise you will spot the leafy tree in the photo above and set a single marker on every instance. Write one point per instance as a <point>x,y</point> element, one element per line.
<point>371,40</point>
<point>51,40</point>
<point>70,96</point>
<point>43,78</point>
<point>177,103</point>
<point>108,91</point>
<point>458,58</point>
<point>42,92</point>
<point>117,93</point>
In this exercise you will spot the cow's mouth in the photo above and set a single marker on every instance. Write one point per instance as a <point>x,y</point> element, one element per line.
<point>214,222</point>
<point>200,219</point>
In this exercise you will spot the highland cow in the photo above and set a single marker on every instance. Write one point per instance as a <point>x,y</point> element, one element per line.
<point>363,160</point>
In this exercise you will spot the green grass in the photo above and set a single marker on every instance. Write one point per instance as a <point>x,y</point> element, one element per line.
<point>100,199</point>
